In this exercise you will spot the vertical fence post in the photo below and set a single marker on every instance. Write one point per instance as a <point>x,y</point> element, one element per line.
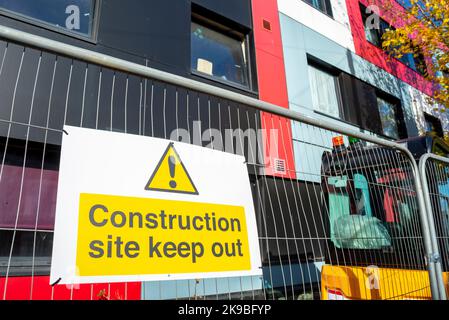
<point>423,216</point>
<point>435,257</point>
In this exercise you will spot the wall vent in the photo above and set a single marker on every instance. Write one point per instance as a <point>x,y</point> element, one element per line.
<point>266,25</point>
<point>280,166</point>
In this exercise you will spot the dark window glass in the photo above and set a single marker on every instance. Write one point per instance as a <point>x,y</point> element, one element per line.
<point>219,55</point>
<point>429,126</point>
<point>341,95</point>
<point>70,15</point>
<point>405,3</point>
<point>416,63</point>
<point>389,118</point>
<point>360,103</point>
<point>440,150</point>
<point>322,5</point>
<point>374,33</point>
<point>433,125</point>
<point>31,252</point>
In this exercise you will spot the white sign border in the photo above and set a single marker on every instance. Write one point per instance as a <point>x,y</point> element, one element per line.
<point>64,270</point>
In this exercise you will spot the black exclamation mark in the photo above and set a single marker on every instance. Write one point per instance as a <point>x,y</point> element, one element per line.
<point>172,167</point>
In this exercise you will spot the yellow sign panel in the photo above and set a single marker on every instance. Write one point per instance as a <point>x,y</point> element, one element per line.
<point>134,236</point>
<point>171,175</point>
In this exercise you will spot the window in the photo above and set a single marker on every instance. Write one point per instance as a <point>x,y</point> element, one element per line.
<point>355,222</point>
<point>219,55</point>
<point>405,3</point>
<point>322,5</point>
<point>389,118</point>
<point>399,203</point>
<point>416,63</point>
<point>31,252</point>
<point>340,95</point>
<point>433,125</point>
<point>440,150</point>
<point>74,16</point>
<point>442,70</point>
<point>374,35</point>
<point>360,103</point>
<point>324,88</point>
<point>352,223</point>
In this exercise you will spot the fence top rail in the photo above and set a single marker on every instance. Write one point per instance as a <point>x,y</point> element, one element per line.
<point>107,61</point>
<point>425,157</point>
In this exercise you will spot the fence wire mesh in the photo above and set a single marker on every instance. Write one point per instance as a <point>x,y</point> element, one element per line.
<point>339,223</point>
<point>437,178</point>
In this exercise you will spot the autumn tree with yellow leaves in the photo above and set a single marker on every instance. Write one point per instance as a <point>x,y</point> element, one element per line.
<point>423,29</point>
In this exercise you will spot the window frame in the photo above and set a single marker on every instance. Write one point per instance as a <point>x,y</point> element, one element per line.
<point>399,115</point>
<point>312,62</point>
<point>416,62</point>
<point>341,90</point>
<point>230,32</point>
<point>436,123</point>
<point>348,193</point>
<point>93,38</point>
<point>382,24</point>
<point>387,257</point>
<point>328,11</point>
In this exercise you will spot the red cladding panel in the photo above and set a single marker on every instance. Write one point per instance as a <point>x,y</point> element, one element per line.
<point>272,85</point>
<point>376,55</point>
<point>19,288</point>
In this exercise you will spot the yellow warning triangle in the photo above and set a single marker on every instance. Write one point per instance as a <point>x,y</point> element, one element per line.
<point>170,175</point>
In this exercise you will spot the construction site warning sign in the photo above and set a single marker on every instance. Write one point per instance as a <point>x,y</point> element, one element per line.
<point>171,175</point>
<point>133,208</point>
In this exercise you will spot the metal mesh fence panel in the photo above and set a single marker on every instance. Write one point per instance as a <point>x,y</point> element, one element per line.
<point>436,176</point>
<point>342,223</point>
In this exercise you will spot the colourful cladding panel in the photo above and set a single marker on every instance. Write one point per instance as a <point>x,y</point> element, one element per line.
<point>376,55</point>
<point>19,288</point>
<point>36,195</point>
<point>272,85</point>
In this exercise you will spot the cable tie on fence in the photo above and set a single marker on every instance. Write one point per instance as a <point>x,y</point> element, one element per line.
<point>433,258</point>
<point>56,282</point>
<point>65,132</point>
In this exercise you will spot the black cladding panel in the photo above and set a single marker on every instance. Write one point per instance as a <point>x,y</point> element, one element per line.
<point>158,30</point>
<point>236,10</point>
<point>360,103</point>
<point>290,219</point>
<point>151,32</point>
<point>57,90</point>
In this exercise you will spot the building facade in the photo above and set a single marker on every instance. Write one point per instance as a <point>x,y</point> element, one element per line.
<point>313,57</point>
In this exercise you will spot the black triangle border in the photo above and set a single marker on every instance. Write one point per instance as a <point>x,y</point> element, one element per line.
<point>147,187</point>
